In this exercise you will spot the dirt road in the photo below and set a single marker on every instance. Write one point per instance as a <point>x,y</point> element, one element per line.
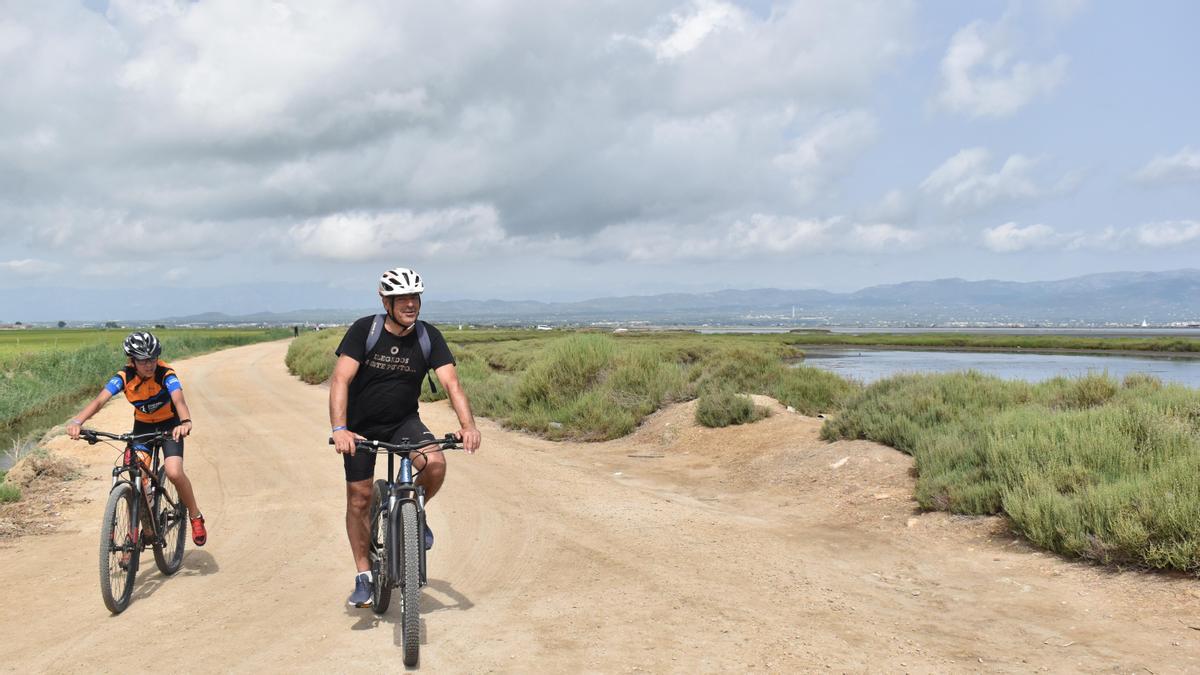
<point>678,549</point>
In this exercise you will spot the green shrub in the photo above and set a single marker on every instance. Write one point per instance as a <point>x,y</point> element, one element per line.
<point>9,493</point>
<point>1082,392</point>
<point>721,407</point>
<point>1141,380</point>
<point>310,357</point>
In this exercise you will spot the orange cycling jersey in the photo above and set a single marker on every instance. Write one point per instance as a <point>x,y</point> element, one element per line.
<point>150,397</point>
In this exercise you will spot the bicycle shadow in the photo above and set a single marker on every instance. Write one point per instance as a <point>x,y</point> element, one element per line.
<point>198,564</point>
<point>149,578</point>
<point>444,597</point>
<point>450,598</point>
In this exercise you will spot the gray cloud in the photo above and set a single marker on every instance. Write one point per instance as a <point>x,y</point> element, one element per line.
<point>202,118</point>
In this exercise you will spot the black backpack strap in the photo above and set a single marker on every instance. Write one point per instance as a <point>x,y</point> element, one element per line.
<point>373,335</point>
<point>426,349</point>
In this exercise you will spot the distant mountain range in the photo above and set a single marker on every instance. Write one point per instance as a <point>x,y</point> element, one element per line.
<point>1124,297</point>
<point>1121,297</point>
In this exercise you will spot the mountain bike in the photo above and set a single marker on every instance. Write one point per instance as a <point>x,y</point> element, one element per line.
<point>143,510</point>
<point>397,547</point>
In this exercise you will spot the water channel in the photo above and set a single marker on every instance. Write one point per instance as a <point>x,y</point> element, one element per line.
<point>869,365</point>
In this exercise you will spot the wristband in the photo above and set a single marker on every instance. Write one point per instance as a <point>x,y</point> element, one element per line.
<point>75,421</point>
<point>341,428</point>
<point>189,421</point>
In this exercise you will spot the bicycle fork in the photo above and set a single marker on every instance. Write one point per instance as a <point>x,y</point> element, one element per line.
<point>396,560</point>
<point>420,491</point>
<point>393,558</point>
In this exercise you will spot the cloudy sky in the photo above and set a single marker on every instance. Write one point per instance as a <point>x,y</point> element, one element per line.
<point>559,150</point>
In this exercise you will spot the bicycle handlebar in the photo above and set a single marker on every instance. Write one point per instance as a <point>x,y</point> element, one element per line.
<point>92,436</point>
<point>447,443</point>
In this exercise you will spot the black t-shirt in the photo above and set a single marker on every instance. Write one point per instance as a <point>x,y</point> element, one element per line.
<point>386,388</point>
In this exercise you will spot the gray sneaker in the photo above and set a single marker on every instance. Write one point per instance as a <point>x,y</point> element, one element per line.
<point>361,597</point>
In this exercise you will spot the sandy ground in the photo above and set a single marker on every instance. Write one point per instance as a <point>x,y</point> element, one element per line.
<point>678,549</point>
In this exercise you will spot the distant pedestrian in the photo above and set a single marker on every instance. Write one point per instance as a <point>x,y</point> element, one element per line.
<point>296,331</point>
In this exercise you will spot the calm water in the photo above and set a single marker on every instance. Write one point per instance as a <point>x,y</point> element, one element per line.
<point>871,365</point>
<point>855,330</point>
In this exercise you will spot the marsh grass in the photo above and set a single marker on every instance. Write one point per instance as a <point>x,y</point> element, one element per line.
<point>720,407</point>
<point>1088,467</point>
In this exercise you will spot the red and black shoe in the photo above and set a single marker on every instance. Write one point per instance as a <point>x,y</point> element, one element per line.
<point>199,532</point>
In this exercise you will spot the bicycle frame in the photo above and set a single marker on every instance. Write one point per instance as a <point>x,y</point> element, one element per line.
<point>131,471</point>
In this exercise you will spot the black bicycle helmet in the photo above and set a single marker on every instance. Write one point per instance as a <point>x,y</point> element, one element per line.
<point>142,345</point>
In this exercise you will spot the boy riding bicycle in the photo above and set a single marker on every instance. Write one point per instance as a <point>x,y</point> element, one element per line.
<point>153,388</point>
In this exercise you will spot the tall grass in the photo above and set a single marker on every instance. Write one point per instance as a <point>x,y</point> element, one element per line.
<point>1089,467</point>
<point>9,493</point>
<point>723,407</point>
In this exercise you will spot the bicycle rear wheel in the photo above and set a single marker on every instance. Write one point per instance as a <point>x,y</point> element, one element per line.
<point>118,551</point>
<point>411,587</point>
<point>381,549</point>
<point>169,516</point>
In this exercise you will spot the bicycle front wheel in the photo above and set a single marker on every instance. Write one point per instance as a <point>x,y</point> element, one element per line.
<point>411,588</point>
<point>169,517</point>
<point>118,550</point>
<point>381,549</point>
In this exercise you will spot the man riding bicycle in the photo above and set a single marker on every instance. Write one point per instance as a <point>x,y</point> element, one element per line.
<point>373,394</point>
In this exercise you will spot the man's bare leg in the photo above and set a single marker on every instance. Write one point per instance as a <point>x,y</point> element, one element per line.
<point>358,526</point>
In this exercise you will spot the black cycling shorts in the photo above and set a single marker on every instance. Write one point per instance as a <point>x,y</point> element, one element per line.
<point>362,465</point>
<point>171,447</point>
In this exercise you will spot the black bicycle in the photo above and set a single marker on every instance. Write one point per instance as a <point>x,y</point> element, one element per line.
<point>397,548</point>
<point>143,510</point>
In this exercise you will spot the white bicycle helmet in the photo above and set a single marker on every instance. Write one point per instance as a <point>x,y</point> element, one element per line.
<point>142,345</point>
<point>400,281</point>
